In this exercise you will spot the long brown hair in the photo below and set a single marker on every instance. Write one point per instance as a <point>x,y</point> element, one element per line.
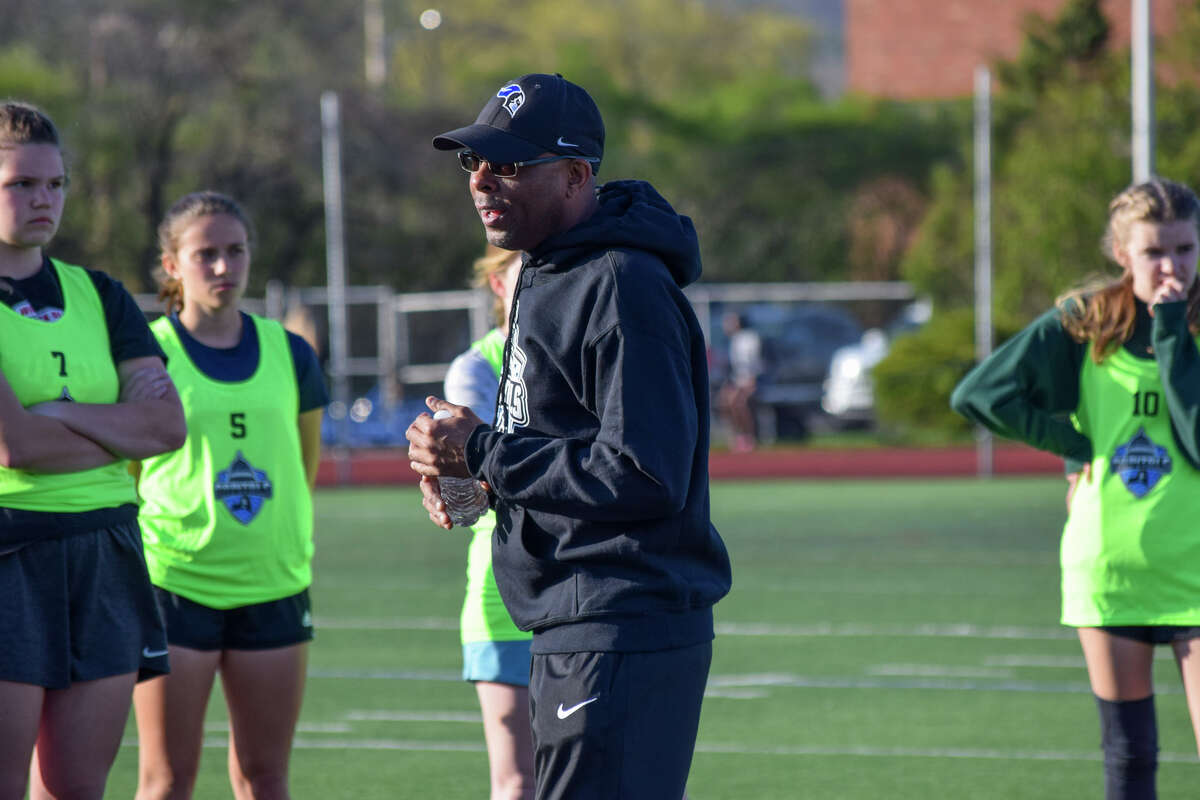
<point>1103,311</point>
<point>186,209</point>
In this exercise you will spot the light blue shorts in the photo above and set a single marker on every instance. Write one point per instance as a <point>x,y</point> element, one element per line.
<point>497,662</point>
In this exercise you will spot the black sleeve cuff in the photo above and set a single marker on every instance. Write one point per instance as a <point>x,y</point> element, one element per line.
<point>473,451</point>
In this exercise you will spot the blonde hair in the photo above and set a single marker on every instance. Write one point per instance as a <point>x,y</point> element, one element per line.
<point>186,210</point>
<point>493,261</point>
<point>1103,311</point>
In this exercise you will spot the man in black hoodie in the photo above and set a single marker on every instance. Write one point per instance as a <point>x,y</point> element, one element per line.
<point>597,464</point>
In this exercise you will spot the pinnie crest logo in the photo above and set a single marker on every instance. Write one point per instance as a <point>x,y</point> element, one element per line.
<point>512,98</point>
<point>243,489</point>
<point>1141,463</point>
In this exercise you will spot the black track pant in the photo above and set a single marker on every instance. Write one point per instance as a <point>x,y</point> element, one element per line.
<point>616,726</point>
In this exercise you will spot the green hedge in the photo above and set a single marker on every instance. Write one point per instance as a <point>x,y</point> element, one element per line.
<point>913,383</point>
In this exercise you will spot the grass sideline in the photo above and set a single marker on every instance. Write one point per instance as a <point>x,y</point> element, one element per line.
<point>883,639</point>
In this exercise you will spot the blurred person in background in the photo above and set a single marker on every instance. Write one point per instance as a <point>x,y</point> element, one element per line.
<point>737,393</point>
<point>301,321</point>
<point>597,462</point>
<point>227,519</point>
<point>1110,380</point>
<point>495,650</point>
<point>82,389</point>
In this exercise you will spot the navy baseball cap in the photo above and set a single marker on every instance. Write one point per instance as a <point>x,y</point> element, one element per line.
<point>531,115</point>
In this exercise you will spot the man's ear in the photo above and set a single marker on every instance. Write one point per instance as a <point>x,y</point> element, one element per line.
<point>579,176</point>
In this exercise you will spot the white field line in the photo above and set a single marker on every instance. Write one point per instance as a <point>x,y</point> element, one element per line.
<point>441,676</point>
<point>749,686</point>
<point>818,629</point>
<point>737,694</point>
<point>473,717</point>
<point>803,585</point>
<point>222,726</point>
<point>715,748</point>
<point>937,671</point>
<point>397,624</point>
<point>350,742</point>
<point>995,674</point>
<point>964,630</point>
<point>797,594</point>
<point>1059,662</point>
<point>737,687</point>
<point>934,752</point>
<point>305,743</point>
<point>414,745</point>
<point>351,717</point>
<point>1039,662</point>
<point>785,680</point>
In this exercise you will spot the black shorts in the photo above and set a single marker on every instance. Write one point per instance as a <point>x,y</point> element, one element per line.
<point>1153,634</point>
<point>261,626</point>
<point>611,725</point>
<point>79,608</point>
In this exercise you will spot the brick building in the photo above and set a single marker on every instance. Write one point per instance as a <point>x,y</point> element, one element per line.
<point>926,49</point>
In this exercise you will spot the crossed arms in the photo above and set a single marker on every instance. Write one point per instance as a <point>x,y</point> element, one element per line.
<point>56,437</point>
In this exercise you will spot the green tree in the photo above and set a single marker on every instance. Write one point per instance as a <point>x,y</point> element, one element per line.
<point>913,383</point>
<point>1076,37</point>
<point>1061,150</point>
<point>709,102</point>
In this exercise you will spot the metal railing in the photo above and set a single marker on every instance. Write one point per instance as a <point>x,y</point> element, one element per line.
<point>389,358</point>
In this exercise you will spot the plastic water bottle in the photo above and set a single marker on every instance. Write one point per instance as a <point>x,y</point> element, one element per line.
<point>465,499</point>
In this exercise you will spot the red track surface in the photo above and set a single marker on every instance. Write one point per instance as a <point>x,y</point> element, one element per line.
<point>390,467</point>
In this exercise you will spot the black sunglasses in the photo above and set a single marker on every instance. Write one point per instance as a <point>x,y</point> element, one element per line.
<point>472,162</point>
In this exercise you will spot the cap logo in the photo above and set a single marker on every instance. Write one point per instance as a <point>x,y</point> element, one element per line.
<point>513,97</point>
<point>564,143</point>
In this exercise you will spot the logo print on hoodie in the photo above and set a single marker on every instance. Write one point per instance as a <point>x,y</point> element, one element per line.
<point>513,97</point>
<point>514,405</point>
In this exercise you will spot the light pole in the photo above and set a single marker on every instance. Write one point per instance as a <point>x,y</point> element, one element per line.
<point>1142,67</point>
<point>983,243</point>
<point>335,265</point>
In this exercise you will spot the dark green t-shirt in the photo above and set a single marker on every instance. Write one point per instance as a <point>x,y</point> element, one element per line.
<point>1029,387</point>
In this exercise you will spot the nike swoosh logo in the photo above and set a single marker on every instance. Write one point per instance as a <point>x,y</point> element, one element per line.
<point>564,143</point>
<point>148,653</point>
<point>563,713</point>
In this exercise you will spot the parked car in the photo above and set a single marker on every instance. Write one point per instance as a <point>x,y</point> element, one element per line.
<point>799,341</point>
<point>849,393</point>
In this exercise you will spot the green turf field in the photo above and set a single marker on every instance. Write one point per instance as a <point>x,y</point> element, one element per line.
<point>884,639</point>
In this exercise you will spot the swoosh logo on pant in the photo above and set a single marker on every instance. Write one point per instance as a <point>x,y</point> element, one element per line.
<point>563,713</point>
